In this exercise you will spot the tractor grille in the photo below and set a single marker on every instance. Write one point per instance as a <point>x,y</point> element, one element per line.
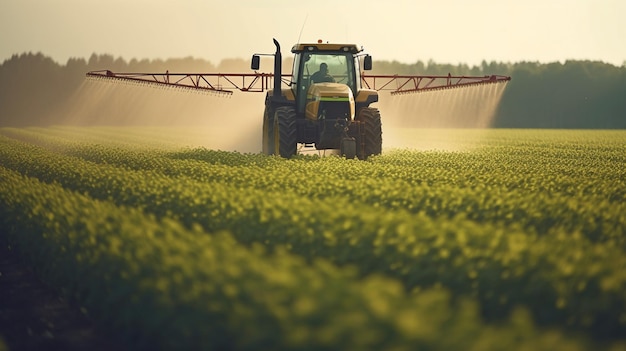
<point>333,117</point>
<point>334,110</point>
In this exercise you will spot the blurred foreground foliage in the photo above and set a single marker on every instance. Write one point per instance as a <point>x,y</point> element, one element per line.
<point>516,245</point>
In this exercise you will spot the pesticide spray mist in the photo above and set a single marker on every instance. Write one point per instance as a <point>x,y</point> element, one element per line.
<point>423,121</point>
<point>191,117</point>
<point>432,119</point>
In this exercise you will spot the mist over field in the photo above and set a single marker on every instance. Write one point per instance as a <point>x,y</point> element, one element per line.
<point>36,91</point>
<point>225,122</point>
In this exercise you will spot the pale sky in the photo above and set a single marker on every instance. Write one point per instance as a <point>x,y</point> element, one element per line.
<point>446,31</point>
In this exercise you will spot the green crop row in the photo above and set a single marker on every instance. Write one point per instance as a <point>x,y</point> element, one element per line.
<point>168,287</point>
<point>563,278</point>
<point>542,188</point>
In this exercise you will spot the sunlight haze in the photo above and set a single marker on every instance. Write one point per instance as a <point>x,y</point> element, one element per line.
<point>448,31</point>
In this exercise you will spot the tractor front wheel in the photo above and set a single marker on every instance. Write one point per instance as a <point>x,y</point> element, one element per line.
<point>284,130</point>
<point>370,136</point>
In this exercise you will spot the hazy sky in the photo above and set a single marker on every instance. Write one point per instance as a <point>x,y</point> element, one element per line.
<point>446,31</point>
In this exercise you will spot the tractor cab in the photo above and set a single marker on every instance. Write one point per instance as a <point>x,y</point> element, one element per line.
<point>340,62</point>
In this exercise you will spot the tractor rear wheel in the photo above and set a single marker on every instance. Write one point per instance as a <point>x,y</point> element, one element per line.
<point>370,136</point>
<point>268,132</point>
<point>284,130</point>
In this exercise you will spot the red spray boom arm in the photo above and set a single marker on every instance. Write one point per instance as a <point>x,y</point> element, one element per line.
<point>226,83</point>
<point>404,84</point>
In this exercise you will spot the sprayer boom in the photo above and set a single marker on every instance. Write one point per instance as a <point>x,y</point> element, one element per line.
<point>404,84</point>
<point>326,102</point>
<point>220,83</point>
<point>226,83</point>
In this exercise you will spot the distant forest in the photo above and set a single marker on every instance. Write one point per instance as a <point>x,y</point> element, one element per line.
<point>574,94</point>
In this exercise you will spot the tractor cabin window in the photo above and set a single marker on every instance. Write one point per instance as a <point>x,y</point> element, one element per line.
<point>339,67</point>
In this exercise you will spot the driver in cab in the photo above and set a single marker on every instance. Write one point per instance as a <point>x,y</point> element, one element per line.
<point>322,75</point>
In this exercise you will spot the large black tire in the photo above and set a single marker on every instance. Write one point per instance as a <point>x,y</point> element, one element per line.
<point>268,132</point>
<point>285,133</point>
<point>370,136</point>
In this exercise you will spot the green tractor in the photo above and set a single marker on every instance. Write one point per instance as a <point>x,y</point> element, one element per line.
<point>325,105</point>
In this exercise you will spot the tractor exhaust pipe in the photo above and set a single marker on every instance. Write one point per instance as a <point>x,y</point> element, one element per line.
<point>278,69</point>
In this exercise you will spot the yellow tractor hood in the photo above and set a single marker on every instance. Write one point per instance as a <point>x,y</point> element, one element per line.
<point>328,92</point>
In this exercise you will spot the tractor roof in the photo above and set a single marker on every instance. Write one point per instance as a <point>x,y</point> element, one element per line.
<point>314,47</point>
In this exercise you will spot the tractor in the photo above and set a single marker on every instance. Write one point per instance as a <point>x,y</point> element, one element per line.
<point>324,106</point>
<point>325,103</point>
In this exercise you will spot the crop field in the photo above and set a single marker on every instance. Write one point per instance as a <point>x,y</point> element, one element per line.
<point>510,240</point>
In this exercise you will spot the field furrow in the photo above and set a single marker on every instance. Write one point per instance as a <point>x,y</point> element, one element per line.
<point>568,275</point>
<point>165,286</point>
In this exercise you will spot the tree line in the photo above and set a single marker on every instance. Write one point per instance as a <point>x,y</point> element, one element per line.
<point>573,94</point>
